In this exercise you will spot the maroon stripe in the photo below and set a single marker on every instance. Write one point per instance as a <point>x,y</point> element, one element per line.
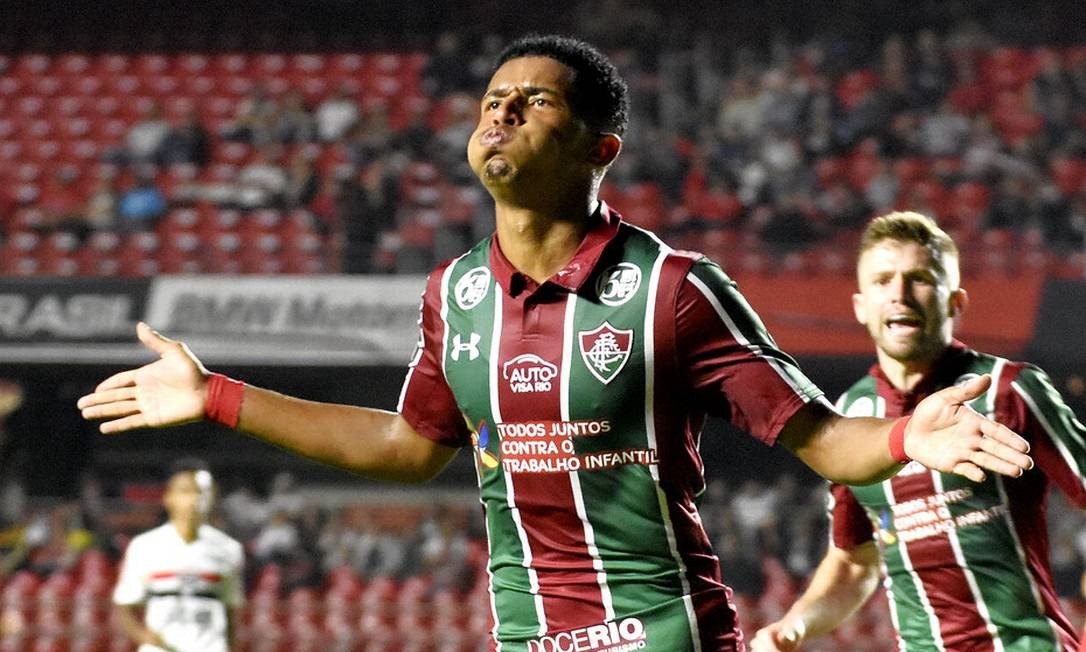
<point>681,471</point>
<point>1027,498</point>
<point>567,580</point>
<point>943,581</point>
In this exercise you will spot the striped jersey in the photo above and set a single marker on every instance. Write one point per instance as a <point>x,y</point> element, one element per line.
<point>186,588</point>
<point>582,399</point>
<point>965,564</point>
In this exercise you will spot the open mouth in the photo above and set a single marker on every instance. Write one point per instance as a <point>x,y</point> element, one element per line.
<point>904,323</point>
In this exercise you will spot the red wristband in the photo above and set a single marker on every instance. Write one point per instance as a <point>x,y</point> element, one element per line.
<point>897,441</point>
<point>224,396</point>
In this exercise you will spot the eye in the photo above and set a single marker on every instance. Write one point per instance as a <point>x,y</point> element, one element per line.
<point>539,101</point>
<point>493,104</point>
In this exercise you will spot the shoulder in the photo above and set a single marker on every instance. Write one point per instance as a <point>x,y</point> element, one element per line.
<point>859,398</point>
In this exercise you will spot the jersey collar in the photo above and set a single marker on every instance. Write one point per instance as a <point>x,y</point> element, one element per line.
<point>605,224</point>
<point>942,373</point>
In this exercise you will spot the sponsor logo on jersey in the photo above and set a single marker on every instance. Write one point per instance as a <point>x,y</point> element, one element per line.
<point>628,634</point>
<point>471,347</point>
<point>605,350</point>
<point>529,373</point>
<point>616,285</point>
<point>480,437</point>
<point>472,287</point>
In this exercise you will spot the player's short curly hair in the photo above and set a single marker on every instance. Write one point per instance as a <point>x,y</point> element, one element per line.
<point>600,96</point>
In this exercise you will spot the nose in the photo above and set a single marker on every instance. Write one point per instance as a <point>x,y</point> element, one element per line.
<point>899,288</point>
<point>509,110</point>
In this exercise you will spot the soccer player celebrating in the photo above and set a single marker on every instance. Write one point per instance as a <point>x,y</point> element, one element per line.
<point>965,563</point>
<point>577,356</point>
<point>185,573</point>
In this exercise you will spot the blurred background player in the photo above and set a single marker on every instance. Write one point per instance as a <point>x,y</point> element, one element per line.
<point>965,564</point>
<point>186,574</point>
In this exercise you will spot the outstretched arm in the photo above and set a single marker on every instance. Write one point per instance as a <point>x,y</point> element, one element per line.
<point>173,390</point>
<point>944,434</point>
<point>842,584</point>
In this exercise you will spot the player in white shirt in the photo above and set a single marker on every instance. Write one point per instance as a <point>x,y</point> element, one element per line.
<point>186,574</point>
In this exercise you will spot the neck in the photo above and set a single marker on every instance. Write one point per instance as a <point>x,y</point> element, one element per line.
<point>539,244</point>
<point>905,375</point>
<point>186,528</point>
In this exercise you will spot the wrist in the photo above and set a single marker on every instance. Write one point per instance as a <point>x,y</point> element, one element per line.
<point>222,404</point>
<point>897,441</point>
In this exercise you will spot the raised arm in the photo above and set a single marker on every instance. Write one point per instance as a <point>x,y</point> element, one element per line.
<point>943,434</point>
<point>841,584</point>
<point>173,390</point>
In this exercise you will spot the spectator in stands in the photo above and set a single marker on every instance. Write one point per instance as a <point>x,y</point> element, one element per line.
<point>263,182</point>
<point>944,132</point>
<point>142,205</point>
<point>187,142</point>
<point>294,122</point>
<point>144,140</point>
<point>252,121</point>
<point>62,204</point>
<point>283,495</point>
<point>336,115</point>
<point>445,72</point>
<point>101,208</point>
<point>931,75</point>
<point>367,208</point>
<point>370,137</point>
<point>303,181</point>
<point>277,541</point>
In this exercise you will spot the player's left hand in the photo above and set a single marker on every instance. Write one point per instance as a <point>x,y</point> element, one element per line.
<point>947,435</point>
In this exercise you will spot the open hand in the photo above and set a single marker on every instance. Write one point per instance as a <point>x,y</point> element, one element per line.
<point>947,435</point>
<point>169,391</point>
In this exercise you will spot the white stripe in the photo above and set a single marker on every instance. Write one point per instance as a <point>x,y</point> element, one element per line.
<point>510,496</point>
<point>574,479</point>
<point>444,310</point>
<point>1036,590</point>
<point>650,431</point>
<point>932,620</point>
<point>1065,452</point>
<point>737,334</point>
<point>970,577</point>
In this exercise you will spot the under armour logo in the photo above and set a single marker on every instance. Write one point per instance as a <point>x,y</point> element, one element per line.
<point>471,346</point>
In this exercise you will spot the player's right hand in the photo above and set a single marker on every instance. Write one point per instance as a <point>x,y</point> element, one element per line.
<point>169,391</point>
<point>781,636</point>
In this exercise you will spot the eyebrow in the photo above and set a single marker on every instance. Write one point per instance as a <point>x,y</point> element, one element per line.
<point>503,91</point>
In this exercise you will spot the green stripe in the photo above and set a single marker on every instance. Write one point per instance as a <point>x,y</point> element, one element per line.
<point>621,502</point>
<point>513,600</point>
<point>750,327</point>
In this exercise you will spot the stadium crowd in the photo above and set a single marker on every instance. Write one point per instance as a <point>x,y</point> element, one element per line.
<point>766,158</point>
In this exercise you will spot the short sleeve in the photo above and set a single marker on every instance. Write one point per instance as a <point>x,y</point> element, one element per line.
<point>849,525</point>
<point>131,587</point>
<point>426,400</point>
<point>1057,438</point>
<point>735,368</point>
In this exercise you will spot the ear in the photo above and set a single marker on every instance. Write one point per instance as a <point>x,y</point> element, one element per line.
<point>859,308</point>
<point>604,150</point>
<point>959,301</point>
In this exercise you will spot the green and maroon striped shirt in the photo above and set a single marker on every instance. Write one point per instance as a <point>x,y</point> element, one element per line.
<point>583,398</point>
<point>965,564</point>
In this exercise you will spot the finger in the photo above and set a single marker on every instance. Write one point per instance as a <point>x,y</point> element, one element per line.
<point>121,425</point>
<point>111,410</point>
<point>107,396</point>
<point>969,390</point>
<point>1003,435</point>
<point>1002,459</point>
<point>969,470</point>
<point>121,379</point>
<point>154,340</point>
